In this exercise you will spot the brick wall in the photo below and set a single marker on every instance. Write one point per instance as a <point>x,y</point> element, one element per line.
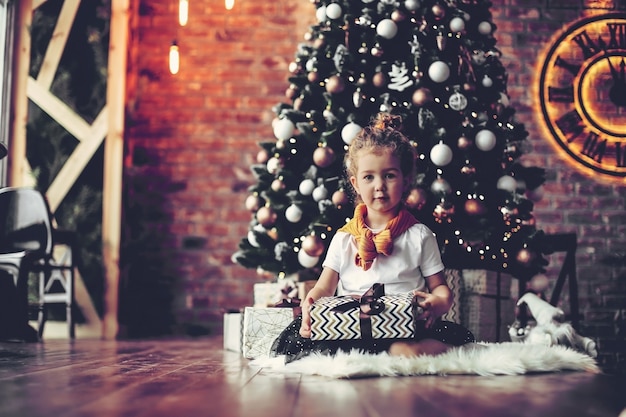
<point>191,139</point>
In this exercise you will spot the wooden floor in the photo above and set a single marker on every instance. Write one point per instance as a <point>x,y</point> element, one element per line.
<point>195,377</point>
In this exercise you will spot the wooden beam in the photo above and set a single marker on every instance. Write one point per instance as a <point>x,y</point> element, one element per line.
<point>19,102</point>
<point>75,164</point>
<point>57,43</point>
<point>58,110</point>
<point>37,3</point>
<point>113,163</point>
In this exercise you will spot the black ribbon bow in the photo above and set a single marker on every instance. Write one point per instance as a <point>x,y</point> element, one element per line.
<point>369,303</point>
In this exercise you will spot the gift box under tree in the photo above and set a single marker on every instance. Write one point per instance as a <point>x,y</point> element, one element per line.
<point>261,326</point>
<point>373,315</point>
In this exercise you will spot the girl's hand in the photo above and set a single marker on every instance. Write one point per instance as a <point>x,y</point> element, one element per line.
<point>305,327</point>
<point>433,305</point>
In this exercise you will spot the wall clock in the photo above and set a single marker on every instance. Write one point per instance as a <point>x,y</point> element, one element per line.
<point>582,94</point>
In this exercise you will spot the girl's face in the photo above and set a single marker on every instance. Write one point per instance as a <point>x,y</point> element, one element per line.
<point>379,181</point>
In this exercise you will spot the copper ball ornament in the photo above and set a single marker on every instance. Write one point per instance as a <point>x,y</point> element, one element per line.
<point>335,84</point>
<point>323,156</point>
<point>398,15</point>
<point>475,207</point>
<point>464,143</point>
<point>278,185</point>
<point>539,283</point>
<point>417,198</point>
<point>340,197</point>
<point>313,245</point>
<point>253,202</point>
<point>266,216</point>
<point>379,80</point>
<point>262,156</point>
<point>439,12</point>
<point>422,96</point>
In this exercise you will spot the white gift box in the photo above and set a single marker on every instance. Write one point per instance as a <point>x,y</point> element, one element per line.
<point>268,294</point>
<point>261,326</point>
<point>233,329</point>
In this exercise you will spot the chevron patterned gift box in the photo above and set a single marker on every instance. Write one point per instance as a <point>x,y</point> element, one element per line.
<point>346,317</point>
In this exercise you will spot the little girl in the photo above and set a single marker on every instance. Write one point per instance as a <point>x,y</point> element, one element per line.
<point>383,243</point>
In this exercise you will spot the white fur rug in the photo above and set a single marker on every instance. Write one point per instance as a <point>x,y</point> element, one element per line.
<point>507,358</point>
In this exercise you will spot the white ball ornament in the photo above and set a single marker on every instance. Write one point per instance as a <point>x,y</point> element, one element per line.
<point>320,14</point>
<point>357,99</point>
<point>439,71</point>
<point>507,183</point>
<point>293,213</point>
<point>349,132</point>
<point>273,165</point>
<point>252,239</point>
<point>487,81</point>
<point>457,24</point>
<point>504,100</point>
<point>306,187</point>
<point>307,260</point>
<point>441,154</point>
<point>283,129</point>
<point>387,28</point>
<point>333,11</point>
<point>484,28</point>
<point>440,186</point>
<point>320,193</point>
<point>412,5</point>
<point>311,64</point>
<point>485,140</point>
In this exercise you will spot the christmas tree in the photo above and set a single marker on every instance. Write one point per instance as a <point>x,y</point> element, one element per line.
<point>435,63</point>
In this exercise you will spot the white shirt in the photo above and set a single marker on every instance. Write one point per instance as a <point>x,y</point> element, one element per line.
<point>415,256</point>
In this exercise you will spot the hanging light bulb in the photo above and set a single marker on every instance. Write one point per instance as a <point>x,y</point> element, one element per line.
<point>174,58</point>
<point>183,12</point>
<point>229,4</point>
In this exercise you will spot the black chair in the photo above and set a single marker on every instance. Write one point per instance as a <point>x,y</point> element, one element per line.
<point>26,246</point>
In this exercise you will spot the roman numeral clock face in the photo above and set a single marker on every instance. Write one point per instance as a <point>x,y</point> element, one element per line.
<point>582,94</point>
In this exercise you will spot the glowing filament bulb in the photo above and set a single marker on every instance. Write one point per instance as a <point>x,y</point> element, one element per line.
<point>174,58</point>
<point>229,4</point>
<point>183,12</point>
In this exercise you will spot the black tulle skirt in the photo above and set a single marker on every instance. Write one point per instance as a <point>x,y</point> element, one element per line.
<point>293,346</point>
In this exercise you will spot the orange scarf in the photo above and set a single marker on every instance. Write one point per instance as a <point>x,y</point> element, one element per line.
<point>369,244</point>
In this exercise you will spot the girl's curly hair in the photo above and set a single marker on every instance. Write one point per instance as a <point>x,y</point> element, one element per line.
<point>384,132</point>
